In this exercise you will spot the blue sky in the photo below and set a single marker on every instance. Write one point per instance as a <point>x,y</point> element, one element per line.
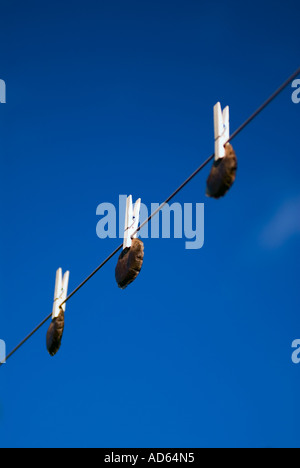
<point>112,97</point>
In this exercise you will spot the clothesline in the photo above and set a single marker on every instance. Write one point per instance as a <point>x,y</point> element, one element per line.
<point>191,177</point>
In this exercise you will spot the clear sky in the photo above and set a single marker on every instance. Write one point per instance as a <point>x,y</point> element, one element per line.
<point>113,97</point>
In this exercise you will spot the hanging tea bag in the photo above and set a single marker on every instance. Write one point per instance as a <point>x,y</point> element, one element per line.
<point>223,173</point>
<point>130,263</point>
<point>55,333</point>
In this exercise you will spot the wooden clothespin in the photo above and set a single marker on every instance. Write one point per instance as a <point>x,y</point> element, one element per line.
<point>221,125</point>
<point>132,217</point>
<point>56,329</point>
<point>131,259</point>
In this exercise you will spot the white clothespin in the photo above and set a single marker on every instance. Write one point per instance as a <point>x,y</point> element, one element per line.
<point>132,217</point>
<point>221,124</point>
<point>60,292</point>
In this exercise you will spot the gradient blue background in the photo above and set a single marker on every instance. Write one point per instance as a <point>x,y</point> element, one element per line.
<point>115,97</point>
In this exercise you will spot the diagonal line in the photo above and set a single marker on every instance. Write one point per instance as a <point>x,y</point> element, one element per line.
<point>192,176</point>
